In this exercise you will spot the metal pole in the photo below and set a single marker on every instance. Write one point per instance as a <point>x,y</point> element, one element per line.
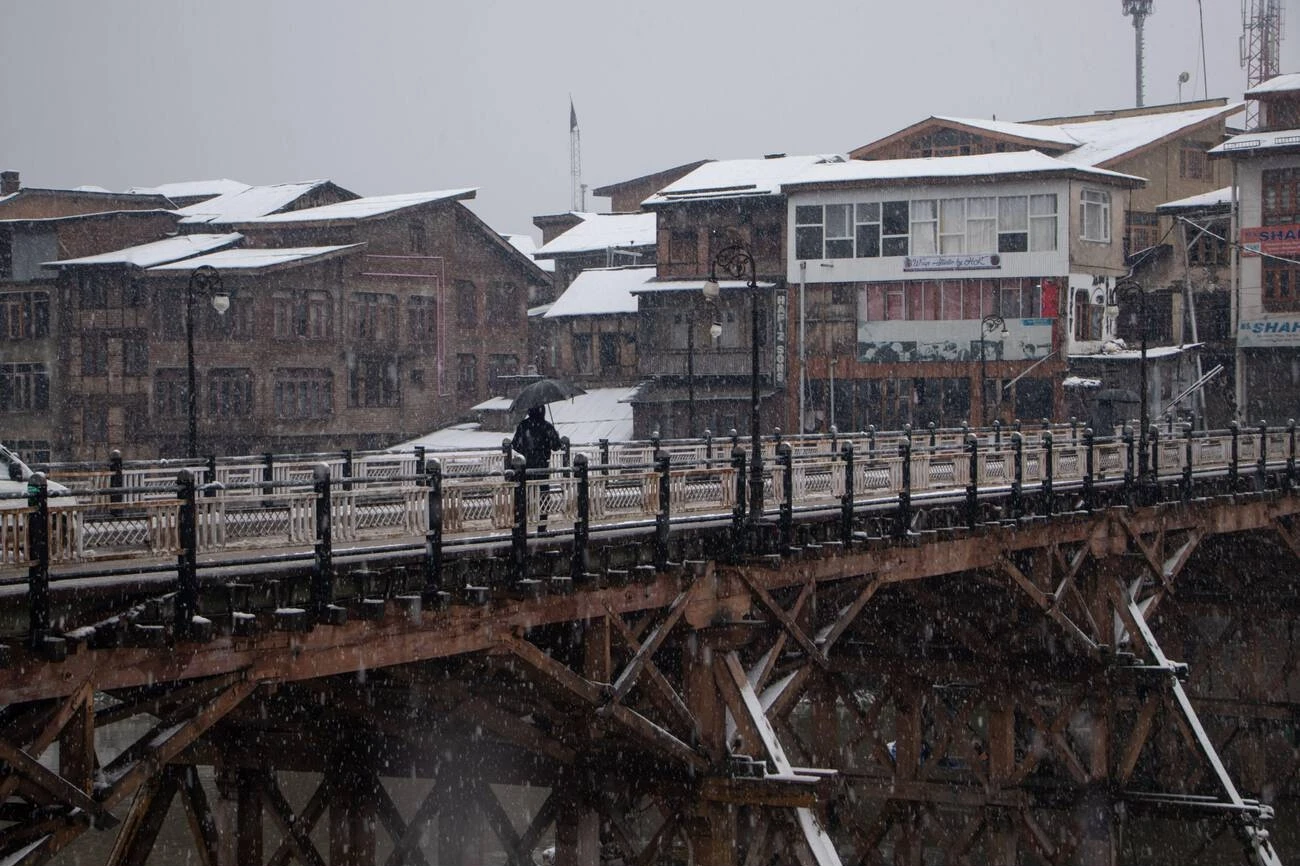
<point>984,388</point>
<point>755,439</point>
<point>690,373</point>
<point>1143,408</point>
<point>191,395</point>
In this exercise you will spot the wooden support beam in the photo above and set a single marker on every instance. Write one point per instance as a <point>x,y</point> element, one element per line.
<point>295,830</point>
<point>203,826</point>
<point>632,671</point>
<point>815,653</point>
<point>144,820</point>
<point>667,698</point>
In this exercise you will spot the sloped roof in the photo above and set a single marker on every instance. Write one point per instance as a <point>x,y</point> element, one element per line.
<point>192,188</point>
<point>1105,141</point>
<point>601,292</point>
<point>527,245</point>
<point>1015,129</point>
<point>362,208</point>
<point>255,201</point>
<point>601,231</point>
<point>156,253</point>
<point>1284,83</point>
<point>1278,139</point>
<point>738,178</point>
<point>1219,199</point>
<point>1023,162</point>
<point>256,259</point>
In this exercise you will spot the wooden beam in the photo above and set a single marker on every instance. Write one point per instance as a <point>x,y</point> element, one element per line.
<point>628,677</point>
<point>143,820</point>
<point>203,825</point>
<point>815,653</point>
<point>295,830</point>
<point>669,699</point>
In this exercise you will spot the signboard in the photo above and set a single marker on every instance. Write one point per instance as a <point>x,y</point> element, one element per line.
<point>1263,333</point>
<point>1274,240</point>
<point>985,262</point>
<point>782,318</point>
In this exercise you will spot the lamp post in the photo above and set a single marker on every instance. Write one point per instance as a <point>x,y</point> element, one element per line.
<point>715,331</point>
<point>206,281</point>
<point>1131,288</point>
<point>988,325</point>
<point>737,262</point>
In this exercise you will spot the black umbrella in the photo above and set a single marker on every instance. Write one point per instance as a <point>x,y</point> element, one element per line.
<point>542,392</point>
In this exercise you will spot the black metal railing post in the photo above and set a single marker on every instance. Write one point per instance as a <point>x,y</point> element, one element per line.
<point>432,472</point>
<point>934,434</point>
<point>347,469</point>
<point>663,520</point>
<point>846,501</point>
<point>117,474</point>
<point>738,510</point>
<point>1129,463</point>
<point>973,482</point>
<point>1187,462</point>
<point>1234,430</point>
<point>507,455</point>
<point>187,575</point>
<point>566,452</point>
<point>209,483</point>
<point>1049,469</point>
<point>1290,454</point>
<point>518,475</point>
<point>322,572</point>
<point>268,474</point>
<point>835,437</point>
<point>38,549</point>
<point>904,520</point>
<point>1018,479</point>
<point>785,518</point>
<point>604,454</point>
<point>1089,467</point>
<point>708,444</point>
<point>871,441</point>
<point>419,459</point>
<point>1261,460</point>
<point>1152,483</point>
<point>997,432</point>
<point>582,525</point>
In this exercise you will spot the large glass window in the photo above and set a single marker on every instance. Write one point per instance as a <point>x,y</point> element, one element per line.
<point>1281,189</point>
<point>374,316</point>
<point>230,393</point>
<point>170,393</point>
<point>952,226</point>
<point>422,319</point>
<point>808,232</point>
<point>893,228</point>
<point>303,393</point>
<point>94,354</point>
<point>24,387</point>
<point>24,315</point>
<point>925,228</point>
<point>1094,215</point>
<point>1013,224</point>
<point>1042,223</point>
<point>867,229</point>
<point>373,382</point>
<point>303,314</point>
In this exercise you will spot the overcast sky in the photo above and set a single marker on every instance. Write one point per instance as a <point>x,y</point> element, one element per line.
<point>387,96</point>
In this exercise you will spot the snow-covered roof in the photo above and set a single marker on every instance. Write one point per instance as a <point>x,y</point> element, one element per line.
<point>1219,198</point>
<point>255,201</point>
<point>1278,139</point>
<point>601,291</point>
<point>945,167</point>
<point>1104,140</point>
<point>738,178</point>
<point>255,259</point>
<point>90,187</point>
<point>693,286</point>
<point>1034,132</point>
<point>1153,352</point>
<point>1277,84</point>
<point>361,208</point>
<point>155,253</point>
<point>601,231</point>
<point>601,413</point>
<point>1080,382</point>
<point>192,188</point>
<point>528,246</point>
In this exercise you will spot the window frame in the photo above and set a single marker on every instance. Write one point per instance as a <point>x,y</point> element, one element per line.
<point>1098,201</point>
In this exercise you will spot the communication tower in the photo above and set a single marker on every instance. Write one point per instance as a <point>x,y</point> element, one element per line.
<point>1139,9</point>
<point>1261,43</point>
<point>579,189</point>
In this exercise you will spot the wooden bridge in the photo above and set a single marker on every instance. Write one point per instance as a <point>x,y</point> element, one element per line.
<point>973,646</point>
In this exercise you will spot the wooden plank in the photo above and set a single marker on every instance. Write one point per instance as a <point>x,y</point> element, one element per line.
<point>143,821</point>
<point>203,825</point>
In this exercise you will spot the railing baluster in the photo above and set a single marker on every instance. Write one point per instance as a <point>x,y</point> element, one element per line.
<point>1153,483</point>
<point>187,578</point>
<point>1187,463</point>
<point>1089,466</point>
<point>904,518</point>
<point>663,520</point>
<point>1261,458</point>
<point>268,474</point>
<point>582,525</point>
<point>518,474</point>
<point>1049,498</point>
<point>846,501</point>
<point>972,483</point>
<point>1234,430</point>
<point>432,471</point>
<point>38,551</point>
<point>785,514</point>
<point>116,475</point>
<point>1017,485</point>
<point>1290,457</point>
<point>739,509</point>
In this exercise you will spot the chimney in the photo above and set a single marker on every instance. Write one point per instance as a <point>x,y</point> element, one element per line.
<point>9,182</point>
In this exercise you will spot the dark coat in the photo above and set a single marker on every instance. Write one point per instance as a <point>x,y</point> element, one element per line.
<point>535,438</point>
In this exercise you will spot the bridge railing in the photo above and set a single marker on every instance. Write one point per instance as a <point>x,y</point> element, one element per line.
<point>249,506</point>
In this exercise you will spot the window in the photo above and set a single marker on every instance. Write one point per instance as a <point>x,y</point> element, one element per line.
<point>609,350</point>
<point>925,228</point>
<point>24,387</point>
<point>1013,224</point>
<point>839,233</point>
<point>1019,299</point>
<point>135,293</point>
<point>1087,316</point>
<point>135,354</point>
<point>230,393</point>
<point>1281,189</point>
<point>503,303</point>
<point>374,382</point>
<point>952,226</point>
<point>1208,250</point>
<point>682,247</point>
<point>1042,223</point>
<point>501,365</point>
<point>94,354</point>
<point>94,290</point>
<point>466,304</point>
<point>893,228</point>
<point>24,315</point>
<point>94,425</point>
<point>422,319</point>
<point>1281,286</point>
<point>303,393</point>
<point>1141,230</point>
<point>170,390</point>
<point>374,316</point>
<point>807,232</point>
<point>982,225</point>
<point>302,315</point>
<point>1094,215</point>
<point>416,238</point>
<point>867,229</point>
<point>582,350</point>
<point>1194,163</point>
<point>467,375</point>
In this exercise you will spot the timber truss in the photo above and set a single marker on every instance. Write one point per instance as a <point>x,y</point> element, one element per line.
<point>1005,695</point>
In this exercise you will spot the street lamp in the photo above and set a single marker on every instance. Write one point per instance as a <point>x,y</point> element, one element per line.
<point>206,281</point>
<point>715,331</point>
<point>736,261</point>
<point>1131,288</point>
<point>988,325</point>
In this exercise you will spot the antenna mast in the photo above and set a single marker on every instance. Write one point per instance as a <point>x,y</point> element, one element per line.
<point>1139,9</point>
<point>1261,44</point>
<point>579,189</point>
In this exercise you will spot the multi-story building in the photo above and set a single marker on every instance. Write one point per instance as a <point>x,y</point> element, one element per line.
<point>936,289</point>
<point>595,240</point>
<point>356,323</point>
<point>588,335</point>
<point>1266,293</point>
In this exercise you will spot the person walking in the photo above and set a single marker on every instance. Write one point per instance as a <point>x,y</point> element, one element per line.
<point>535,438</point>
